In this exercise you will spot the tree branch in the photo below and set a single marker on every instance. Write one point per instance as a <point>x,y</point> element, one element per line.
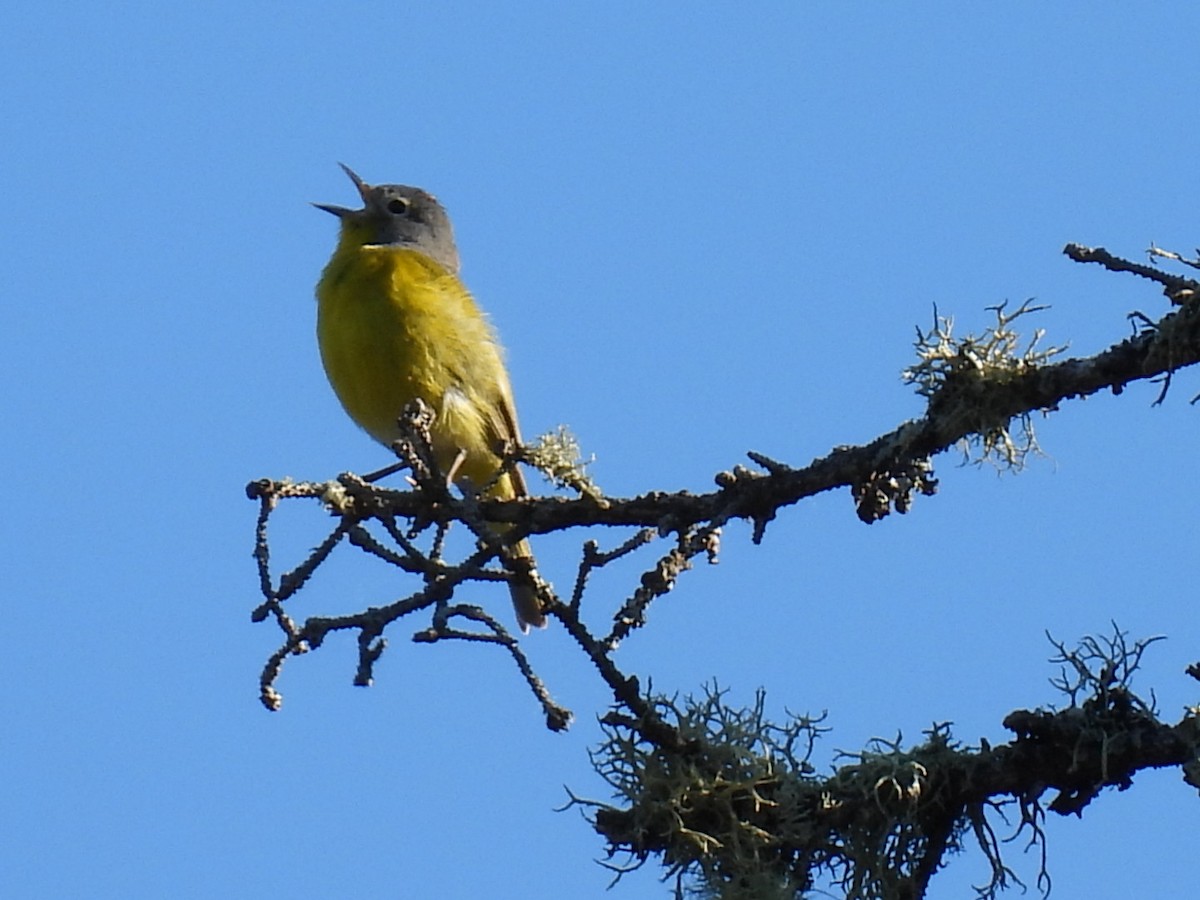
<point>748,810</point>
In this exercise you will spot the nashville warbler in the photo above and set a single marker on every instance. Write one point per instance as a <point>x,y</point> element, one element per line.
<point>394,324</point>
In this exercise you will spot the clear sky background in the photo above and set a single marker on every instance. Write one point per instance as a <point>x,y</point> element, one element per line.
<point>700,230</point>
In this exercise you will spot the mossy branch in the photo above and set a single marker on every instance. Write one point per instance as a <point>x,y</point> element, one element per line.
<point>738,807</point>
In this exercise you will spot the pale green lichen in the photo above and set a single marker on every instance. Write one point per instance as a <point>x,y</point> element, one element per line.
<point>959,374</point>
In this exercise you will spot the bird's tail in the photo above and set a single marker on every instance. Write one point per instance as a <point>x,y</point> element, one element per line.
<point>519,559</point>
<point>524,586</point>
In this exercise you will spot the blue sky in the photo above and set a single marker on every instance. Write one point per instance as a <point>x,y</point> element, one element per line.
<point>700,231</point>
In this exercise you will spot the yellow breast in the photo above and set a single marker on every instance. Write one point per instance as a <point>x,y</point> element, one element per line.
<point>394,325</point>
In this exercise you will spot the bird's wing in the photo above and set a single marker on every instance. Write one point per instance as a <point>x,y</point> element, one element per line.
<point>503,421</point>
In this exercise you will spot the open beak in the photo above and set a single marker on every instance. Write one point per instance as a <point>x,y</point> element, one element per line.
<point>364,191</point>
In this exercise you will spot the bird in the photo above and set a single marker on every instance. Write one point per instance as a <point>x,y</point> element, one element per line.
<point>395,324</point>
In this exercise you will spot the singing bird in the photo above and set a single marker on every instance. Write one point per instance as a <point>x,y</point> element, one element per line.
<point>395,323</point>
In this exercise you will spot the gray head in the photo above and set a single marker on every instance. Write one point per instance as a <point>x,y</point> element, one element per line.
<point>401,215</point>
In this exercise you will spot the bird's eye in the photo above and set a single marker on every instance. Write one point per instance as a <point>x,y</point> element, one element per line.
<point>397,206</point>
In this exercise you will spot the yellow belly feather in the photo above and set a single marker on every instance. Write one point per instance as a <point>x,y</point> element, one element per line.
<point>394,325</point>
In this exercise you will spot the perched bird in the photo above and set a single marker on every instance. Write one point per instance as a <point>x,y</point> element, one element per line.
<point>395,323</point>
